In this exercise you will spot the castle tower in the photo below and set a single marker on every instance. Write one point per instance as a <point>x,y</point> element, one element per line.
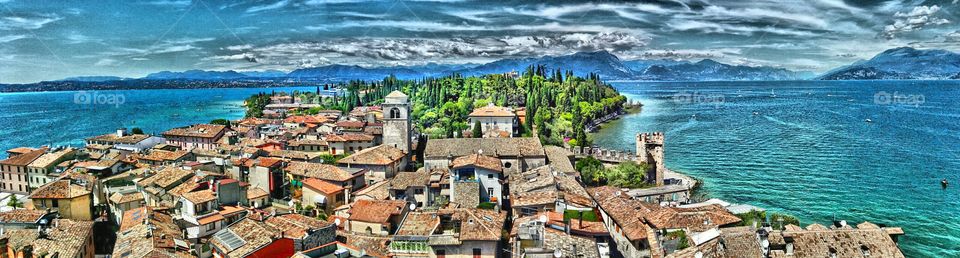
<point>650,151</point>
<point>396,121</point>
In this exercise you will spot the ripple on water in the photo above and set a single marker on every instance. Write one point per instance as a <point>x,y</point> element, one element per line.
<point>809,152</point>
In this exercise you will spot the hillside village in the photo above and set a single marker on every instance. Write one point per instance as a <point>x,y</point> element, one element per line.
<point>364,184</point>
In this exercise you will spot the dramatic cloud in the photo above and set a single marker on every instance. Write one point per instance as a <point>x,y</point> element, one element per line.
<point>134,38</point>
<point>919,17</point>
<point>384,51</point>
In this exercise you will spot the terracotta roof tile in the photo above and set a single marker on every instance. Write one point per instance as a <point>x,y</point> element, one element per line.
<point>64,240</point>
<point>378,211</point>
<point>497,147</point>
<point>348,137</point>
<point>322,186</point>
<point>114,138</point>
<point>419,224</point>
<point>478,160</point>
<point>492,111</point>
<point>22,216</point>
<point>201,196</point>
<point>480,224</point>
<point>376,191</point>
<point>379,155</point>
<point>255,192</point>
<point>24,159</point>
<point>254,234</point>
<point>319,171</point>
<point>404,180</point>
<point>60,189</point>
<point>199,131</point>
<point>295,225</point>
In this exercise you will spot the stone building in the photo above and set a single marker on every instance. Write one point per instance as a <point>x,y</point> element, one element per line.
<point>396,122</point>
<point>650,151</point>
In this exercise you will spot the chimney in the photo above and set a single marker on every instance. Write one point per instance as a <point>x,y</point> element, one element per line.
<point>121,132</point>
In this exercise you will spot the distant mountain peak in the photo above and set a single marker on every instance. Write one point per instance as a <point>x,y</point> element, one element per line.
<point>900,63</point>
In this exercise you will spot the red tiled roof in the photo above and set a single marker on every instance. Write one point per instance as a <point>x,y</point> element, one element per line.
<point>24,159</point>
<point>478,160</point>
<point>60,189</point>
<point>378,211</point>
<point>199,131</point>
<point>322,186</point>
<point>379,155</point>
<point>492,111</point>
<point>351,124</point>
<point>348,137</point>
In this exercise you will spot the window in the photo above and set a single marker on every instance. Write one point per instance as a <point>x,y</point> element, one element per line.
<point>507,165</point>
<point>490,191</point>
<point>418,191</point>
<point>55,203</point>
<point>440,253</point>
<point>394,113</point>
<point>476,253</point>
<point>211,226</point>
<point>489,176</point>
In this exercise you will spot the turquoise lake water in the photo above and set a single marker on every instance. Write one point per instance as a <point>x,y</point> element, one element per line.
<point>807,149</point>
<point>67,117</point>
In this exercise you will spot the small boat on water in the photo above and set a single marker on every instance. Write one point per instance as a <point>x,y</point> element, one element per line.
<point>943,183</point>
<point>756,113</point>
<point>868,120</point>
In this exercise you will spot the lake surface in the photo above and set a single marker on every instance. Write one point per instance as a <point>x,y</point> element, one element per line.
<point>67,117</point>
<point>807,149</point>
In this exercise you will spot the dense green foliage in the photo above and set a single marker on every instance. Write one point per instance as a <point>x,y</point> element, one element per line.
<point>487,205</point>
<point>681,237</point>
<point>625,174</point>
<point>557,105</point>
<point>330,159</point>
<point>752,218</point>
<point>256,103</point>
<point>778,220</point>
<point>220,121</point>
<point>587,215</point>
<point>14,202</point>
<point>136,130</point>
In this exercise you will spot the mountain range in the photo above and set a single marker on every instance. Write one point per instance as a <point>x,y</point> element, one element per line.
<point>901,63</point>
<point>607,65</point>
<point>897,63</point>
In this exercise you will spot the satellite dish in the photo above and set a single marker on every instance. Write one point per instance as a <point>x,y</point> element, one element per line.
<point>336,221</point>
<point>543,218</point>
<point>698,255</point>
<point>413,206</point>
<point>558,253</point>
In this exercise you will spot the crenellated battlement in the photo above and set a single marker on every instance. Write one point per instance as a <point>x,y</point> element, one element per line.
<point>654,138</point>
<point>650,151</point>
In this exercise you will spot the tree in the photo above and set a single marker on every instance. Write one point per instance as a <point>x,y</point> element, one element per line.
<point>591,171</point>
<point>136,130</point>
<point>779,220</point>
<point>220,121</point>
<point>628,175</point>
<point>477,131</point>
<point>14,202</point>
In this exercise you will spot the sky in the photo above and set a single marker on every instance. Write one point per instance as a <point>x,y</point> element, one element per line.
<point>55,39</point>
